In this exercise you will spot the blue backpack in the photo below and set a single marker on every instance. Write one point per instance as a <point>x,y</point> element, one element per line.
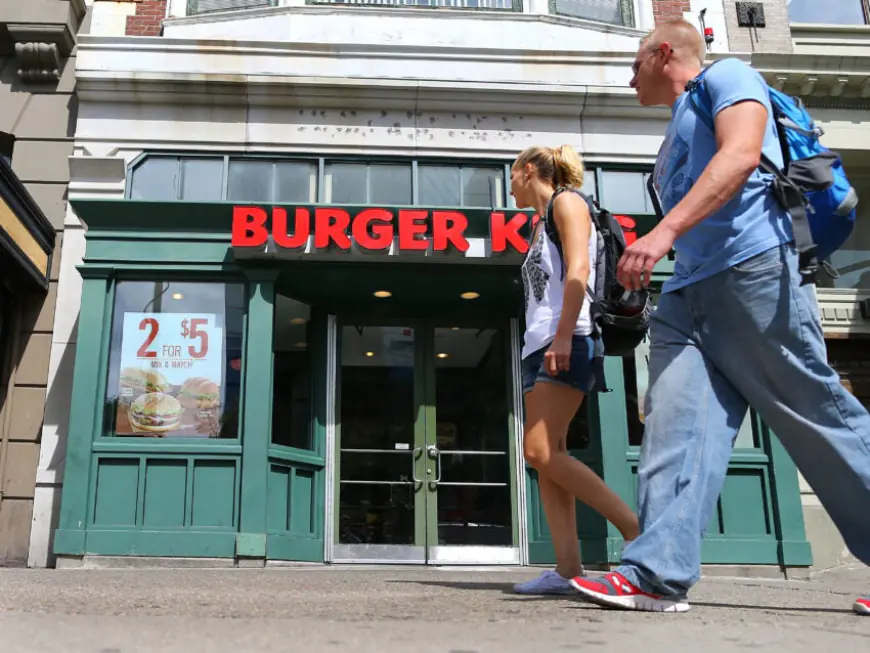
<point>812,187</point>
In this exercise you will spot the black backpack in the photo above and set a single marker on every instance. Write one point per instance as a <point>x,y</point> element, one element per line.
<point>620,317</point>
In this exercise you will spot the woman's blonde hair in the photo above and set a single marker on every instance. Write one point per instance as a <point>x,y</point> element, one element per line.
<point>561,166</point>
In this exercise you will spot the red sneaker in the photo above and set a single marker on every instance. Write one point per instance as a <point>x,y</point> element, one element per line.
<point>614,591</point>
<point>862,606</point>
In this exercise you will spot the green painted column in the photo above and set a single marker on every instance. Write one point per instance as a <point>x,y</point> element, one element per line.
<point>85,412</point>
<point>256,414</point>
<point>613,423</point>
<point>788,513</point>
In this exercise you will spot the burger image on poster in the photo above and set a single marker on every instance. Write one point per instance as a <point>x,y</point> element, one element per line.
<point>155,413</point>
<point>135,381</point>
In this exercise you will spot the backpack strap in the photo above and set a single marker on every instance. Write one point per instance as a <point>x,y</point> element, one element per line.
<point>787,193</point>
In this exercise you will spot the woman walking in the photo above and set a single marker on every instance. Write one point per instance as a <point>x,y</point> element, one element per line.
<point>559,364</point>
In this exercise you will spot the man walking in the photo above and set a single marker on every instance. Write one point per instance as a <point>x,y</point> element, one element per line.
<point>733,328</point>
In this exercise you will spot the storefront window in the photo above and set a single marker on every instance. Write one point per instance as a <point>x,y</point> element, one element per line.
<point>471,186</point>
<point>624,192</point>
<point>175,360</point>
<point>292,379</point>
<point>296,181</point>
<point>202,180</point>
<point>250,181</point>
<point>615,12</point>
<point>155,179</point>
<point>362,183</point>
<point>833,12</point>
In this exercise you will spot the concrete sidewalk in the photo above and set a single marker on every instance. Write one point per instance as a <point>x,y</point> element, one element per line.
<point>405,610</point>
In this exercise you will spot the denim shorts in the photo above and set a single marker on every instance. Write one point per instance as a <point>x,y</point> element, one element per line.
<point>585,371</point>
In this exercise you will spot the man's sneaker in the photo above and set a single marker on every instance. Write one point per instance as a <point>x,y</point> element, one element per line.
<point>613,590</point>
<point>548,582</point>
<point>862,606</point>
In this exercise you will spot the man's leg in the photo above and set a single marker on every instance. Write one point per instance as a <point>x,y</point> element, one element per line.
<point>693,414</point>
<point>780,366</point>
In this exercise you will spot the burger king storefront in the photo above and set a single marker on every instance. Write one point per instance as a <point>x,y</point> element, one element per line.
<point>303,376</point>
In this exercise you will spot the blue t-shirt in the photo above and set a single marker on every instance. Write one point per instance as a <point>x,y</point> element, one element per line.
<point>752,221</point>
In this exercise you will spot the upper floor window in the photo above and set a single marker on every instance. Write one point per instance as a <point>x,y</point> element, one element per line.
<point>831,12</point>
<point>208,6</point>
<point>615,12</point>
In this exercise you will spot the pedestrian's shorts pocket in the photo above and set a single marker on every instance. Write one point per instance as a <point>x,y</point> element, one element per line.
<point>771,259</point>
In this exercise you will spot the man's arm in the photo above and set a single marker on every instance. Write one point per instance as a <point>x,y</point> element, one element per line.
<point>740,130</point>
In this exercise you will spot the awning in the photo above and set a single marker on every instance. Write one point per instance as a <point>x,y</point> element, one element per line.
<point>26,236</point>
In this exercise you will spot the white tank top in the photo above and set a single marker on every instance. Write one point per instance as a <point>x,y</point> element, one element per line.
<point>544,285</point>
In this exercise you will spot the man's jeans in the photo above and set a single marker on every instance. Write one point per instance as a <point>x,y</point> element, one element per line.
<point>749,334</point>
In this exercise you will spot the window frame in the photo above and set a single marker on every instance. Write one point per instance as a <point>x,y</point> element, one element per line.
<point>865,7</point>
<point>109,435</point>
<point>627,9</point>
<point>321,161</point>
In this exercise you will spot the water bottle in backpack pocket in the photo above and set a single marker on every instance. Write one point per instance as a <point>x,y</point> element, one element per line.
<point>812,187</point>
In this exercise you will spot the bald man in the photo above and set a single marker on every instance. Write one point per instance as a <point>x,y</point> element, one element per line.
<point>733,328</point>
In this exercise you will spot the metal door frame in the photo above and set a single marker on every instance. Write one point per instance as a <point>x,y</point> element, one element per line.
<point>427,554</point>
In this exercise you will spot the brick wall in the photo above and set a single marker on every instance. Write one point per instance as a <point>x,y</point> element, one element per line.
<point>774,37</point>
<point>665,10</point>
<point>148,20</point>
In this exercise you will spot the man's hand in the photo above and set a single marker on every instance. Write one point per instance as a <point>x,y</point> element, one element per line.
<point>637,263</point>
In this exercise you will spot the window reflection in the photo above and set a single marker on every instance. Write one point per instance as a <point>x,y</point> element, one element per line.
<point>293,377</point>
<point>202,180</point>
<point>250,181</point>
<point>175,360</point>
<point>155,178</point>
<point>624,192</point>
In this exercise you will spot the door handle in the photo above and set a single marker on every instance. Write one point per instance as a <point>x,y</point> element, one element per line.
<point>435,454</point>
<point>414,454</point>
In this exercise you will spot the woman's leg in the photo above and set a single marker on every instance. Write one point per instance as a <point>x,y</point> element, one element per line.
<point>550,407</point>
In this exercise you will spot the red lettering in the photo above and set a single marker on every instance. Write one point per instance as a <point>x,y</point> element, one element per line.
<point>628,226</point>
<point>381,236</point>
<point>301,230</point>
<point>448,227</point>
<point>410,227</point>
<point>504,232</point>
<point>249,227</point>
<point>330,225</point>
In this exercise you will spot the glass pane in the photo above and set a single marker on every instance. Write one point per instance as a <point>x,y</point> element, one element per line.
<point>203,180</point>
<point>377,435</point>
<point>390,185</point>
<point>155,179</point>
<point>624,192</point>
<point>472,413</point>
<point>345,183</point>
<point>842,12</point>
<point>439,185</point>
<point>483,187</point>
<point>605,11</point>
<point>175,360</point>
<point>589,187</point>
<point>292,381</point>
<point>296,182</point>
<point>250,181</point>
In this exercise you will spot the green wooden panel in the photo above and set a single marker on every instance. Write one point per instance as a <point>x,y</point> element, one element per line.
<point>165,493</point>
<point>117,492</point>
<point>182,544</point>
<point>302,502</point>
<point>294,547</point>
<point>788,514</point>
<point>278,510</point>
<point>744,504</point>
<point>214,494</point>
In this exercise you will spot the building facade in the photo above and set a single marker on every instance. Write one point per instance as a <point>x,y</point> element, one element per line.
<point>37,123</point>
<point>293,262</point>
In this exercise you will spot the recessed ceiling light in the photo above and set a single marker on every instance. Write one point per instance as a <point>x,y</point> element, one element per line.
<point>382,294</point>
<point>470,295</point>
<point>298,320</point>
<point>177,295</point>
<point>442,355</point>
<point>301,345</point>
<point>370,354</point>
<point>454,329</point>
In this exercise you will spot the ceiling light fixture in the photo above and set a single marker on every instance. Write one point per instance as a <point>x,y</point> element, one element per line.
<point>383,294</point>
<point>442,355</point>
<point>370,354</point>
<point>301,345</point>
<point>177,295</point>
<point>470,295</point>
<point>296,321</point>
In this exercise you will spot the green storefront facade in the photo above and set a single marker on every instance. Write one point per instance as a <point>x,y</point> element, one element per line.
<point>323,382</point>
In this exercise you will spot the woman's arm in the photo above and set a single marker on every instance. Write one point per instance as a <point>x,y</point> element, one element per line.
<point>572,220</point>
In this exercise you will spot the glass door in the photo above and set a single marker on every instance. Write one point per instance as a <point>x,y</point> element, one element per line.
<point>425,445</point>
